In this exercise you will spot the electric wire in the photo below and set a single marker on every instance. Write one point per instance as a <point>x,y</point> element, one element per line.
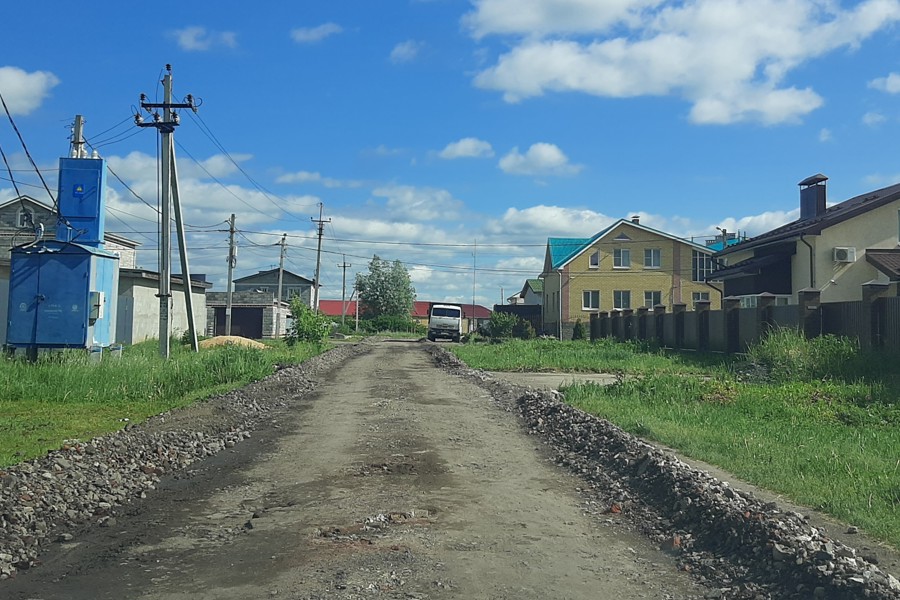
<point>28,154</point>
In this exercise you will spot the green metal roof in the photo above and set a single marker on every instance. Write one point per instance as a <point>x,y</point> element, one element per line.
<point>537,285</point>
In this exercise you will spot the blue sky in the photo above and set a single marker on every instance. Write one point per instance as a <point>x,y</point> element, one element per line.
<point>451,133</point>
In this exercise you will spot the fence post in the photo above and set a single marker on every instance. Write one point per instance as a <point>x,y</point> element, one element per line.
<point>678,309</point>
<point>659,314</point>
<point>701,307</point>
<point>810,301</point>
<point>642,322</point>
<point>873,293</point>
<point>732,307</point>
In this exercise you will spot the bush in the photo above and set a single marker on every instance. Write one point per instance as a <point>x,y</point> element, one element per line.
<point>307,324</point>
<point>578,331</point>
<point>502,324</point>
<point>789,356</point>
<point>391,323</point>
<point>524,330</point>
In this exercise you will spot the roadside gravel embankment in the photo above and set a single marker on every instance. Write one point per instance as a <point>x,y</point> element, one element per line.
<point>751,548</point>
<point>83,484</point>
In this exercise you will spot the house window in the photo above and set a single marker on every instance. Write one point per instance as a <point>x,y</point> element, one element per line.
<point>651,299</point>
<point>590,300</point>
<point>595,260</point>
<point>699,296</point>
<point>701,265</point>
<point>652,258</point>
<point>622,258</point>
<point>25,218</point>
<point>622,299</point>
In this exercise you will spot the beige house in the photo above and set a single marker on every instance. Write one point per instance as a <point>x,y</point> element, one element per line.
<point>625,266</point>
<point>833,249</point>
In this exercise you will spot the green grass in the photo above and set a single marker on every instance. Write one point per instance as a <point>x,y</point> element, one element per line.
<point>579,356</point>
<point>823,428</point>
<point>65,396</point>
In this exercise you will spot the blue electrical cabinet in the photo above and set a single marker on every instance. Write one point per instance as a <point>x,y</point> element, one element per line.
<point>81,200</point>
<point>62,295</point>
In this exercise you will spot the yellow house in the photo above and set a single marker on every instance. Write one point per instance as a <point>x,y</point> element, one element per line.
<point>625,266</point>
<point>832,249</point>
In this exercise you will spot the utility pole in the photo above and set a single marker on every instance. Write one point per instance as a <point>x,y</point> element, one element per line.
<point>343,265</point>
<point>321,222</point>
<point>280,279</point>
<point>474,258</point>
<point>165,125</point>
<point>232,261</point>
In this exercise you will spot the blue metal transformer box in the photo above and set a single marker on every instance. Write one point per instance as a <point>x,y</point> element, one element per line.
<point>81,199</point>
<point>62,295</point>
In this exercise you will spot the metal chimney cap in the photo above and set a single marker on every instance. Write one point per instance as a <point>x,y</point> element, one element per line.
<point>813,180</point>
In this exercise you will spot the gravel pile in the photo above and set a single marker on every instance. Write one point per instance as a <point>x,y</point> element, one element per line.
<point>743,547</point>
<point>82,484</point>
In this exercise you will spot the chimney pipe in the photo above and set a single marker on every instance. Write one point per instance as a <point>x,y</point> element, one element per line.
<point>812,196</point>
<point>636,219</point>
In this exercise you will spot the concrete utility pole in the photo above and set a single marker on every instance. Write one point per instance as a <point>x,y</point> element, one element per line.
<point>474,259</point>
<point>280,279</point>
<point>232,261</point>
<point>321,222</point>
<point>165,125</point>
<point>343,265</point>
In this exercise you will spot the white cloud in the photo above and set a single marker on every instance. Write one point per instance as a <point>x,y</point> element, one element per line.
<point>729,59</point>
<point>756,224</point>
<point>540,159</point>
<point>311,35</point>
<point>873,119</point>
<point>467,148</point>
<point>889,84</point>
<point>406,51</point>
<point>420,204</point>
<point>199,39</point>
<point>315,177</point>
<point>825,135</point>
<point>384,151</point>
<point>24,92</point>
<point>542,221</point>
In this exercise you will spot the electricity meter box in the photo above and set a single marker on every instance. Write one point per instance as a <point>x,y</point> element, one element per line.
<point>62,295</point>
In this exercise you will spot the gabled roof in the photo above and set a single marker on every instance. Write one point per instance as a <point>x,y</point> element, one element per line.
<point>334,308</point>
<point>536,285</point>
<point>561,251</point>
<point>832,215</point>
<point>264,274</point>
<point>27,200</point>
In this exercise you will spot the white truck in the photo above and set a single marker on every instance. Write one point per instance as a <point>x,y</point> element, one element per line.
<point>445,321</point>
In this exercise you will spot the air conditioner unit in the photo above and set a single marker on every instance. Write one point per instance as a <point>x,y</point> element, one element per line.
<point>844,254</point>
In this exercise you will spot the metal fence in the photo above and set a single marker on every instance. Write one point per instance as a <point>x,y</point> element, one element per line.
<point>874,322</point>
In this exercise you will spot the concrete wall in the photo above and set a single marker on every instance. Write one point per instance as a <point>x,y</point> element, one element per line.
<point>138,317</point>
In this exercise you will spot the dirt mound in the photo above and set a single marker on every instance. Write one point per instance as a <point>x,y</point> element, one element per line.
<point>224,340</point>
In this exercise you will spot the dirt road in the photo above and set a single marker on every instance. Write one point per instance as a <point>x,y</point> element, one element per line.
<point>395,480</point>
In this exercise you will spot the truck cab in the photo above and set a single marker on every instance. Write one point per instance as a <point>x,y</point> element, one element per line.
<point>445,321</point>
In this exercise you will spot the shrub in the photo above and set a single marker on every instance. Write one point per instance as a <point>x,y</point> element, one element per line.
<point>789,356</point>
<point>501,324</point>
<point>391,323</point>
<point>307,324</point>
<point>524,330</point>
<point>578,331</point>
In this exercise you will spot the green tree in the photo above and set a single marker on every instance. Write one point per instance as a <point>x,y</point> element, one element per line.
<point>386,289</point>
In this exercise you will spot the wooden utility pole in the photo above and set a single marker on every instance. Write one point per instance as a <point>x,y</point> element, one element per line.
<point>232,261</point>
<point>165,125</point>
<point>344,265</point>
<point>280,279</point>
<point>321,222</point>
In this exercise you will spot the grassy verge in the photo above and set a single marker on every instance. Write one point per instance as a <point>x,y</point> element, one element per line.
<point>821,426</point>
<point>65,396</point>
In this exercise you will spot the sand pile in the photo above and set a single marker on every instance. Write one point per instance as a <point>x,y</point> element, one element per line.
<point>224,340</point>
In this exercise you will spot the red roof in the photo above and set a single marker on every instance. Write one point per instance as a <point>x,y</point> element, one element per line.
<point>333,308</point>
